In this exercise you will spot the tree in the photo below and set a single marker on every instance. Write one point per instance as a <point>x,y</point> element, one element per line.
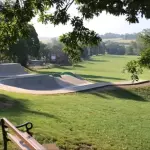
<point>144,59</point>
<point>20,51</point>
<point>115,48</point>
<point>54,47</point>
<point>44,51</point>
<point>15,15</point>
<point>102,48</point>
<point>130,50</point>
<point>134,68</point>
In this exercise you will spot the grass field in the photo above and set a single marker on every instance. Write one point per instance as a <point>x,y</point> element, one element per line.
<point>100,68</point>
<point>94,120</point>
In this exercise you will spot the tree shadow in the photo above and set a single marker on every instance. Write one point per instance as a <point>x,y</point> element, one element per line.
<point>95,60</point>
<point>114,91</point>
<point>89,77</point>
<point>64,67</point>
<point>93,78</point>
<point>11,108</point>
<point>118,56</point>
<point>98,78</point>
<point>79,66</point>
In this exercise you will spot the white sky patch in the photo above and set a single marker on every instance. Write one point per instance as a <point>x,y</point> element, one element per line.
<point>103,24</point>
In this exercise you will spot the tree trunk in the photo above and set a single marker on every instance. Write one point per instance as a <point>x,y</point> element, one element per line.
<point>23,61</point>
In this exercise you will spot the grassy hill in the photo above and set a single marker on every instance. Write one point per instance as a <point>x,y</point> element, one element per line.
<point>117,119</point>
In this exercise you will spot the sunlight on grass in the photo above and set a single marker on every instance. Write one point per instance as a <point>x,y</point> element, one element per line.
<point>100,68</point>
<point>116,119</point>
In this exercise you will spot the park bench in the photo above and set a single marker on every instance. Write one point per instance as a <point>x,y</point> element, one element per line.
<point>23,140</point>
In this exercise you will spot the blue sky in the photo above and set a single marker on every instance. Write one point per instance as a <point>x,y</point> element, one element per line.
<point>103,24</point>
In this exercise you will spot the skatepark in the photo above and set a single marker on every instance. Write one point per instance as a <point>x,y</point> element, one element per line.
<point>14,78</point>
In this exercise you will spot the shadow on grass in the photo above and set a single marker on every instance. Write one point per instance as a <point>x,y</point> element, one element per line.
<point>95,60</point>
<point>79,66</point>
<point>11,108</point>
<point>98,78</point>
<point>68,67</point>
<point>93,78</point>
<point>64,67</point>
<point>117,92</point>
<point>114,56</point>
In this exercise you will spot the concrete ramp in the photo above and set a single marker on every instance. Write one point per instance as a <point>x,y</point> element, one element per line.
<point>74,80</point>
<point>11,69</point>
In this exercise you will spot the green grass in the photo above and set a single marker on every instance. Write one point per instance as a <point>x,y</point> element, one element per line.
<point>113,120</point>
<point>94,120</point>
<point>100,68</point>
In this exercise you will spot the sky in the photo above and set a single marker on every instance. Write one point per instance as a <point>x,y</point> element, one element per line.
<point>105,23</point>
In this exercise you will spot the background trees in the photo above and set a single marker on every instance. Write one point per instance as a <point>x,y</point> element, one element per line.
<point>15,15</point>
<point>115,48</point>
<point>24,47</point>
<point>135,68</point>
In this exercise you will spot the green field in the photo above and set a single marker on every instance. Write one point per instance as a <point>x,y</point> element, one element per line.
<point>100,68</point>
<point>94,120</point>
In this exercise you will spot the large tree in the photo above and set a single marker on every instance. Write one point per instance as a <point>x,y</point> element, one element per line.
<point>15,15</point>
<point>24,47</point>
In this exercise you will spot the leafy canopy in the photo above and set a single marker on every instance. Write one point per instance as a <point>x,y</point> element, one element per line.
<point>15,15</point>
<point>135,67</point>
<point>23,48</point>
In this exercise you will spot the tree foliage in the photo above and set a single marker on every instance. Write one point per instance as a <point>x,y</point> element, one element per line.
<point>115,48</point>
<point>134,68</point>
<point>15,15</point>
<point>23,48</point>
<point>145,58</point>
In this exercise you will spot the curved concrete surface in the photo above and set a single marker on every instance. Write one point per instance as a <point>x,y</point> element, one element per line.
<point>36,82</point>
<point>15,79</point>
<point>68,89</point>
<point>74,80</point>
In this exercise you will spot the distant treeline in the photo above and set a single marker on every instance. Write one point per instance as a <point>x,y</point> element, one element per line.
<point>123,36</point>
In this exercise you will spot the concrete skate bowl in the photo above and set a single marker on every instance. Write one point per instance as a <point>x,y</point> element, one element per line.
<point>42,84</point>
<point>13,77</point>
<point>36,82</point>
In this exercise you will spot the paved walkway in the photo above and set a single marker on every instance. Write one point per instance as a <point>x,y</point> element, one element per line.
<point>70,89</point>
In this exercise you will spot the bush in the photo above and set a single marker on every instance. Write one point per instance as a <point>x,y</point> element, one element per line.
<point>145,58</point>
<point>135,69</point>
